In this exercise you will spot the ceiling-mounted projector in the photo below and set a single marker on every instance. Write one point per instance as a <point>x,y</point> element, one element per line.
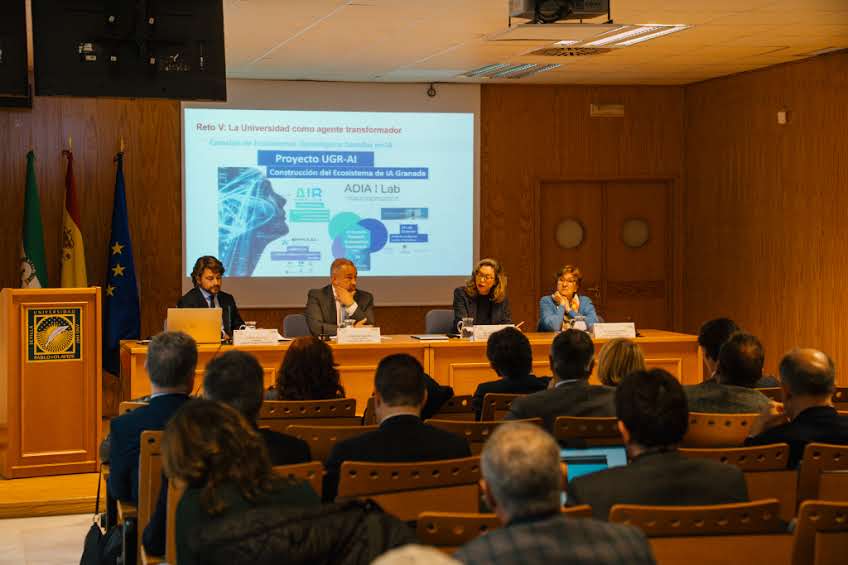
<point>550,11</point>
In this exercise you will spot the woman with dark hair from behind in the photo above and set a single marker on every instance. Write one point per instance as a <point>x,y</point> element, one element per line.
<point>308,372</point>
<point>220,458</point>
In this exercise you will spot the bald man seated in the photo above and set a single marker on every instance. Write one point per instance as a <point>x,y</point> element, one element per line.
<point>328,307</point>
<point>807,415</point>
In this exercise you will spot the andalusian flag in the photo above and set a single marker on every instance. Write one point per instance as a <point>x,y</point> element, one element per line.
<point>33,265</point>
<point>73,251</point>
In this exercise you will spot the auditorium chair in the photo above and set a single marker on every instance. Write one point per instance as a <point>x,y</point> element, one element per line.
<point>823,473</point>
<point>321,439</point>
<point>149,483</point>
<point>294,325</point>
<point>717,430</point>
<point>408,489</point>
<point>496,405</point>
<point>821,535</point>
<point>726,534</point>
<point>312,473</point>
<point>475,433</point>
<point>585,431</point>
<point>765,471</point>
<point>840,398</point>
<point>439,322</point>
<point>449,530</point>
<point>774,393</point>
<point>280,414</point>
<point>457,408</point>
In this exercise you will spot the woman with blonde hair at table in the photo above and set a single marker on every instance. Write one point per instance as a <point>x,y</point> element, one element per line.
<point>618,358</point>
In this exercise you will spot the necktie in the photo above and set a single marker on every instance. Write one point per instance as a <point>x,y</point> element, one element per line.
<point>211,300</point>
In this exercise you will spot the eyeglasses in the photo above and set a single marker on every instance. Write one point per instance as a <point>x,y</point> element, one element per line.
<point>483,277</point>
<point>568,281</point>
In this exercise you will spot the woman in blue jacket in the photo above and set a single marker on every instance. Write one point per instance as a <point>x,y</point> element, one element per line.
<point>557,309</point>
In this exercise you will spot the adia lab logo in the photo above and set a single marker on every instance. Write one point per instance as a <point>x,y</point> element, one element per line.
<point>53,333</point>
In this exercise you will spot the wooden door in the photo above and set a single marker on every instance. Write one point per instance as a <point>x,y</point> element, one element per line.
<point>618,233</point>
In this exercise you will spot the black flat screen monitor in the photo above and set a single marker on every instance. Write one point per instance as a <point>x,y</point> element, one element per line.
<point>14,83</point>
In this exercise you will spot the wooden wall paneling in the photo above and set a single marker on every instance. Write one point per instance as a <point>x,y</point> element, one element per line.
<point>765,207</point>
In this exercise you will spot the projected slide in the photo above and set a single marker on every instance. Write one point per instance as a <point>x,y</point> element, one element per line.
<point>283,193</point>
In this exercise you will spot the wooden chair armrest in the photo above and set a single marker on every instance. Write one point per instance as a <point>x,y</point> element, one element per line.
<point>150,559</point>
<point>126,511</point>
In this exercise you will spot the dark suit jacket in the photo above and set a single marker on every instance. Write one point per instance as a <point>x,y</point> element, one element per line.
<point>399,439</point>
<point>819,424</point>
<point>232,319</point>
<point>321,315</point>
<point>125,431</point>
<point>282,449</point>
<point>659,479</point>
<point>507,385</point>
<point>558,539</point>
<point>465,306</point>
<point>570,399</point>
<point>724,399</point>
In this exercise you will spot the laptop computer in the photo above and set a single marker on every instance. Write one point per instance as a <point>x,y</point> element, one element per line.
<point>593,459</point>
<point>203,324</point>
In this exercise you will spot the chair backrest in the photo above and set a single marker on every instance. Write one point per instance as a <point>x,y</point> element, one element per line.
<point>280,414</point>
<point>149,478</point>
<point>773,392</point>
<point>129,406</point>
<point>321,439</point>
<point>840,398</point>
<point>408,489</point>
<point>475,433</point>
<point>449,530</point>
<point>717,430</point>
<point>439,322</point>
<point>765,471</point>
<point>496,405</point>
<point>456,408</point>
<point>294,325</point>
<point>369,417</point>
<point>587,430</point>
<point>823,473</point>
<point>312,473</point>
<point>758,517</point>
<point>821,535</point>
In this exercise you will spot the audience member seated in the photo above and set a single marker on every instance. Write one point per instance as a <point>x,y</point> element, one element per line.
<point>511,358</point>
<point>522,482</point>
<point>307,372</point>
<point>235,378</point>
<point>415,554</point>
<point>572,358</point>
<point>618,358</point>
<point>740,366</point>
<point>221,459</point>
<point>652,418</point>
<point>711,337</point>
<point>807,414</point>
<point>400,394</point>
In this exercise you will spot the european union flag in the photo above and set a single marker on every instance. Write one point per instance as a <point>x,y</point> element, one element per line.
<point>122,318</point>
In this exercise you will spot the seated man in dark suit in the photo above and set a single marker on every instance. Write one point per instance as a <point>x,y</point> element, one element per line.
<point>740,366</point>
<point>652,418</point>
<point>522,482</point>
<point>807,414</point>
<point>572,359</point>
<point>206,276</point>
<point>400,393</point>
<point>711,336</point>
<point>327,307</point>
<point>511,358</point>
<point>236,378</point>
<point>171,360</point>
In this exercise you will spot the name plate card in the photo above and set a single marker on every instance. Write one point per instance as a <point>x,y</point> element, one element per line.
<point>255,337</point>
<point>483,331</point>
<point>358,335</point>
<point>612,331</point>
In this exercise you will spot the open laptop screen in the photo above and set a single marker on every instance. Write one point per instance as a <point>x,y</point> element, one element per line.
<point>593,459</point>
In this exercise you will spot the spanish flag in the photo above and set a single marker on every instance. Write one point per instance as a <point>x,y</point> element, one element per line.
<point>73,251</point>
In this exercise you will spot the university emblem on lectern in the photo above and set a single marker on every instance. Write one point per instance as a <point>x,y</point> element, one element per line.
<point>53,334</point>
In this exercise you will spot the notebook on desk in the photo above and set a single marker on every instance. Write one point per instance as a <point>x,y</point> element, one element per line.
<point>203,324</point>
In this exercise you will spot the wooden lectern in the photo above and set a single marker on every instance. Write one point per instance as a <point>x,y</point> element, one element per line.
<point>50,370</point>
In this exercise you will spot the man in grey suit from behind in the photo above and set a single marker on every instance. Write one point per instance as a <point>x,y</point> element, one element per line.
<point>522,482</point>
<point>572,359</point>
